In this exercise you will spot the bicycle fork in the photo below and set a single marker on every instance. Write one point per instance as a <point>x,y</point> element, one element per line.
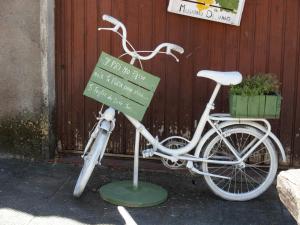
<point>106,124</point>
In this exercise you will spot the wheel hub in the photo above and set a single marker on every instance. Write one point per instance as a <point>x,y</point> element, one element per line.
<point>242,165</point>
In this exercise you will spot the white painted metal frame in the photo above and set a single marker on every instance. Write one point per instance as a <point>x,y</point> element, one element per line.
<point>216,121</point>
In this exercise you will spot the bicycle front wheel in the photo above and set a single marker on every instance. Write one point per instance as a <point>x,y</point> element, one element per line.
<point>90,160</point>
<point>249,179</point>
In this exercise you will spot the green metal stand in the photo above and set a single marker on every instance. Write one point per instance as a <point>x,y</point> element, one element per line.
<point>125,194</point>
<point>134,193</point>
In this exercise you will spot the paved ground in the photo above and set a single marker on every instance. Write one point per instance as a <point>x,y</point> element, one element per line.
<point>41,193</point>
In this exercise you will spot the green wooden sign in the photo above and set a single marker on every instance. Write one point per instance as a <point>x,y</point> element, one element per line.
<point>121,86</point>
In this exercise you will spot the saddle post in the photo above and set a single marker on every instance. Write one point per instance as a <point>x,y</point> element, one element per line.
<point>136,159</point>
<point>136,150</point>
<point>214,95</point>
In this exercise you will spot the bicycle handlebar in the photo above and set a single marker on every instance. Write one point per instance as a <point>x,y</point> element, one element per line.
<point>111,19</point>
<point>169,46</point>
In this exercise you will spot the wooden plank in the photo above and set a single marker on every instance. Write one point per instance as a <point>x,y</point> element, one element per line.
<point>118,10</point>
<point>217,58</point>
<point>174,26</point>
<point>158,65</point>
<point>275,42</point>
<point>131,12</point>
<point>289,75</point>
<point>247,32</point>
<point>91,57</point>
<point>296,152</point>
<point>59,69</point>
<point>201,61</point>
<point>113,99</point>
<point>145,37</point>
<point>68,42</point>
<point>78,51</point>
<point>128,72</point>
<point>185,98</point>
<point>111,74</point>
<point>121,86</point>
<point>261,36</point>
<point>231,53</point>
<point>105,43</point>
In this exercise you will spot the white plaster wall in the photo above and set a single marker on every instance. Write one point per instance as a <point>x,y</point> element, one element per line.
<point>20,57</point>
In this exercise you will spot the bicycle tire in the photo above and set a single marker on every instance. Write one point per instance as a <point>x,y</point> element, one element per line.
<point>225,192</point>
<point>90,161</point>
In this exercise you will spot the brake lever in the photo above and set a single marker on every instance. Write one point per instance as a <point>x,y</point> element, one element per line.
<point>173,55</point>
<point>115,29</point>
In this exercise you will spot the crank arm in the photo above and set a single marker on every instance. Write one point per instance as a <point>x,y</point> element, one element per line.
<point>172,158</point>
<point>192,168</point>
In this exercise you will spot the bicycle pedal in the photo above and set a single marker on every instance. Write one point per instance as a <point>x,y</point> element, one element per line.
<point>148,153</point>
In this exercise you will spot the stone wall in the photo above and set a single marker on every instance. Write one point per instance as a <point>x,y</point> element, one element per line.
<point>26,76</point>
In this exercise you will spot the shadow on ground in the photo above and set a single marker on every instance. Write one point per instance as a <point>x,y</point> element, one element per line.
<point>41,193</point>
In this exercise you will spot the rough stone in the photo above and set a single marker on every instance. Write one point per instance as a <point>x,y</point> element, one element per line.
<point>288,186</point>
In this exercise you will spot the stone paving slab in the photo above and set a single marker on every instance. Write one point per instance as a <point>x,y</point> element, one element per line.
<point>41,194</point>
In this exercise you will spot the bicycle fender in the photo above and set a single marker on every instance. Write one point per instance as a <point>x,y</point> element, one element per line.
<point>241,122</point>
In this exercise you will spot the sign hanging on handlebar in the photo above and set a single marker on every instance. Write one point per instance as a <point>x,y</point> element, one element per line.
<point>122,86</point>
<point>223,11</point>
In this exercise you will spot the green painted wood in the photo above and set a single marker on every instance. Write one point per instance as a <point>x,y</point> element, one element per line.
<point>121,86</point>
<point>241,106</point>
<point>264,106</point>
<point>128,72</point>
<point>232,105</point>
<point>272,108</point>
<point>110,98</point>
<point>253,106</point>
<point>261,106</point>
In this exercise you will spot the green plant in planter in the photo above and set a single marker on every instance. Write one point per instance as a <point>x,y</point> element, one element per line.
<point>256,96</point>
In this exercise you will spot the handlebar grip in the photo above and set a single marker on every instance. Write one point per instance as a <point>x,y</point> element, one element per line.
<point>177,48</point>
<point>111,19</point>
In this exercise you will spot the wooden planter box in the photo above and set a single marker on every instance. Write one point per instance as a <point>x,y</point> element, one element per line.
<point>260,106</point>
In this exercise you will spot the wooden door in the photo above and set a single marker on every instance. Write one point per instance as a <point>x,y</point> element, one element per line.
<point>266,41</point>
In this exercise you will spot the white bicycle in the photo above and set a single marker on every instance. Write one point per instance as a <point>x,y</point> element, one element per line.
<point>237,156</point>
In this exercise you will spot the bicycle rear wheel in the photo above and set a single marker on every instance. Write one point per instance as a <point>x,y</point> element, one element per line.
<point>90,160</point>
<point>247,180</point>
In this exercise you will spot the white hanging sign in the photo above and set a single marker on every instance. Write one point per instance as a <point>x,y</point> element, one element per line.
<point>223,11</point>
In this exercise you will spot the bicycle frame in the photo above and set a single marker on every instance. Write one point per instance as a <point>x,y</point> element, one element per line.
<point>197,135</point>
<point>232,156</point>
<point>205,118</point>
<point>182,153</point>
<point>198,139</point>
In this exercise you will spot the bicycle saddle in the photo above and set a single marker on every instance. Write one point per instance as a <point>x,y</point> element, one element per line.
<point>224,78</point>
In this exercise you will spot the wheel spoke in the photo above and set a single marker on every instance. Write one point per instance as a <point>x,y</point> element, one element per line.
<point>258,163</point>
<point>256,168</point>
<point>241,182</point>
<point>245,142</point>
<point>248,146</point>
<point>246,182</point>
<point>234,180</point>
<point>255,181</point>
<point>257,173</point>
<point>247,179</point>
